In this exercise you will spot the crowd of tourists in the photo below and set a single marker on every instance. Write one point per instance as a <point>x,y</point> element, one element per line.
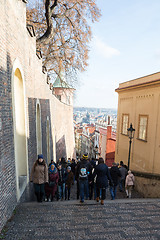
<point>92,178</point>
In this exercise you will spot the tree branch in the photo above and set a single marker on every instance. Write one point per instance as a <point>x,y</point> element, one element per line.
<point>45,38</point>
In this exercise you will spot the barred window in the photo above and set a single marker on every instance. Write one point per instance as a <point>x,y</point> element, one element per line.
<point>125,123</point>
<point>142,128</point>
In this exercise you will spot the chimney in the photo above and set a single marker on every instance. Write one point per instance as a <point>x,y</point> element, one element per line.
<point>109,120</point>
<point>109,132</point>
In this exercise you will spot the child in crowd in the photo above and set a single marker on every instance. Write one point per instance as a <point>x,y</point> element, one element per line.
<point>129,183</point>
<point>69,182</point>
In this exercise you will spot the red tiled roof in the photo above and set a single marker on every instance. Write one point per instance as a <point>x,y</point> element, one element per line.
<point>79,130</point>
<point>91,130</point>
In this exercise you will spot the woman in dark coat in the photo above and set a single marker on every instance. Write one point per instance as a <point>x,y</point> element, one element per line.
<point>102,176</point>
<point>51,187</point>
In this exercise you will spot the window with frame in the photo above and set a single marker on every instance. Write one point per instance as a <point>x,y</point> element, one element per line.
<point>59,97</point>
<point>125,123</point>
<point>142,128</point>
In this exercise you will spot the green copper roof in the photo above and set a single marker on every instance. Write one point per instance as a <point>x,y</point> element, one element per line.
<point>59,83</point>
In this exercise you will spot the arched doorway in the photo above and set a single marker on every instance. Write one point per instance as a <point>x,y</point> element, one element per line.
<point>20,133</point>
<point>38,128</point>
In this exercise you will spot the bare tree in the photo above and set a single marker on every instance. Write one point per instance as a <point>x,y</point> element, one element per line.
<point>63,32</point>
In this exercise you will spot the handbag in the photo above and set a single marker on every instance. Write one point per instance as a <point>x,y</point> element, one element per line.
<point>52,184</point>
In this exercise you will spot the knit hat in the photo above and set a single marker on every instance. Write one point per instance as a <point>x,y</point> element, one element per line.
<point>40,156</point>
<point>85,156</point>
<point>69,168</point>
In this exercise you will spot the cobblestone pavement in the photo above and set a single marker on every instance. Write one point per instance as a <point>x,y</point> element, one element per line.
<point>68,220</point>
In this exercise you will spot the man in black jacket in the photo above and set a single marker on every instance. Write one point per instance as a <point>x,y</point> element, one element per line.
<point>115,175</point>
<point>83,170</point>
<point>61,182</point>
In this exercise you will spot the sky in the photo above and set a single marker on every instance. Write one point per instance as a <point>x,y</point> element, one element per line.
<point>125,46</point>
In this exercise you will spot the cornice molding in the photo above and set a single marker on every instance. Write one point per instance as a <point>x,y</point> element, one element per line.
<point>140,85</point>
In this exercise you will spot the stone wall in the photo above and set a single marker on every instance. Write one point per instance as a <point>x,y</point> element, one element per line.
<point>147,184</point>
<point>147,187</point>
<point>18,50</point>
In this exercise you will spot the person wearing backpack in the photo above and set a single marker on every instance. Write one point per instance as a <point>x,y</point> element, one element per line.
<point>83,170</point>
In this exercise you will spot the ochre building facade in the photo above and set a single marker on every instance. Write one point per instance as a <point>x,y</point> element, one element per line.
<point>139,104</point>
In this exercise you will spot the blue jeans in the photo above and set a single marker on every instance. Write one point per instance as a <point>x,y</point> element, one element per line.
<point>101,192</point>
<point>121,184</point>
<point>113,191</point>
<point>83,187</point>
<point>61,191</point>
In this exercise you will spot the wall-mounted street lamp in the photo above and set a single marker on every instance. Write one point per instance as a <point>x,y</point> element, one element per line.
<point>131,132</point>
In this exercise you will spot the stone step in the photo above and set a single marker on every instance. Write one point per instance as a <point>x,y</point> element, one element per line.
<point>118,219</point>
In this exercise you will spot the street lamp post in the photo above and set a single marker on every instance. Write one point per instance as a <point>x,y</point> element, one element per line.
<point>96,151</point>
<point>131,132</point>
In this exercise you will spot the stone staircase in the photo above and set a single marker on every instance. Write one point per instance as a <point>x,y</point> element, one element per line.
<point>68,220</point>
<point>72,219</point>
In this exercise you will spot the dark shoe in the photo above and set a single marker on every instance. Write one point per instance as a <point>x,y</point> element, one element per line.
<point>102,202</point>
<point>97,199</point>
<point>81,201</point>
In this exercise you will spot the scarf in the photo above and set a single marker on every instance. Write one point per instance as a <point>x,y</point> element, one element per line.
<point>52,171</point>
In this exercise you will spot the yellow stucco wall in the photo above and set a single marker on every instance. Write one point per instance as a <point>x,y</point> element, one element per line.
<point>140,96</point>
